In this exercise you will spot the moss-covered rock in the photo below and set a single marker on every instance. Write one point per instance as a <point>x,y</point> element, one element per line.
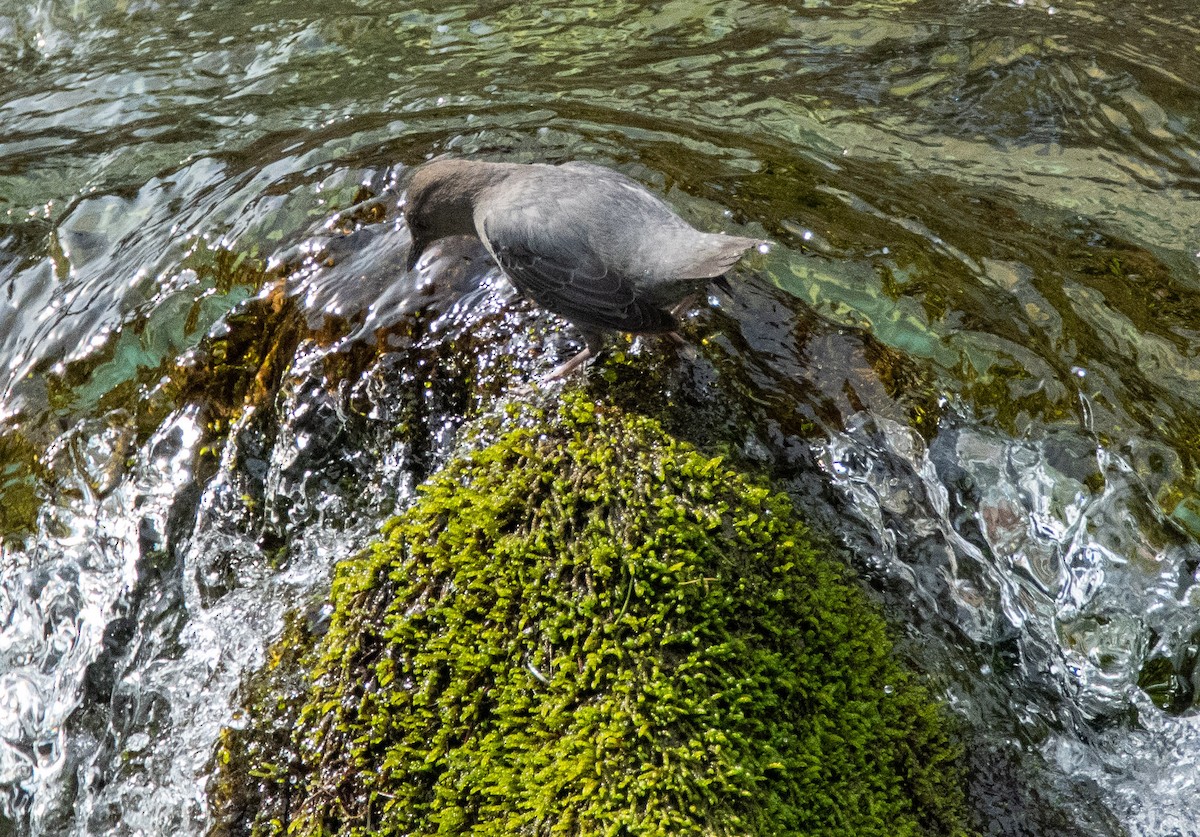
<point>589,628</point>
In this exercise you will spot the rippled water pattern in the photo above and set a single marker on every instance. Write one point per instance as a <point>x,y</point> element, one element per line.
<point>980,326</point>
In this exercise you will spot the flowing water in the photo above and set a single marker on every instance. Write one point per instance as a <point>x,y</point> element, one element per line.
<point>975,347</point>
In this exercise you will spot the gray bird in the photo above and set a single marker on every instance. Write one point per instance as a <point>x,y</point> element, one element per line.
<point>580,240</point>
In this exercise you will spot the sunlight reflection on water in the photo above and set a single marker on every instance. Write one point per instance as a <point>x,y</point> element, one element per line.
<point>987,222</point>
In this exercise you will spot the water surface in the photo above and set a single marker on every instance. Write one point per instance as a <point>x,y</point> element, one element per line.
<point>976,344</point>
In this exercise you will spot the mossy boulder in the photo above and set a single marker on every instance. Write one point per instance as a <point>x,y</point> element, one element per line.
<point>588,628</point>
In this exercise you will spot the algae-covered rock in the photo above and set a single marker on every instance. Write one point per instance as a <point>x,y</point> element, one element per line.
<point>589,628</point>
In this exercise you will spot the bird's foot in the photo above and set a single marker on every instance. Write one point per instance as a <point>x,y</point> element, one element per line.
<point>686,350</point>
<point>683,306</point>
<point>565,369</point>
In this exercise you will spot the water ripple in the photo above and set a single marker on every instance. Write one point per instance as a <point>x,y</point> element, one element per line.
<point>984,296</point>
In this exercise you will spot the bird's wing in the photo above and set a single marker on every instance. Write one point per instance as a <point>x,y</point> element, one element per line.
<point>557,268</point>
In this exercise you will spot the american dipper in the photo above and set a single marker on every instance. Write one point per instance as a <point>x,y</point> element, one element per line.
<point>580,240</point>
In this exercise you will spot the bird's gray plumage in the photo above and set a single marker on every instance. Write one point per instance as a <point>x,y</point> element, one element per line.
<point>580,240</point>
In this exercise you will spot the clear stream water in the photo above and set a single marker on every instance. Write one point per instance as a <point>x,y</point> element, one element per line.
<point>978,335</point>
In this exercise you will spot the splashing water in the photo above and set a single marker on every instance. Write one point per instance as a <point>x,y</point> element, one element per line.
<point>973,203</point>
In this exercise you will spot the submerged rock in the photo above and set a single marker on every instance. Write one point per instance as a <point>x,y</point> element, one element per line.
<point>586,627</point>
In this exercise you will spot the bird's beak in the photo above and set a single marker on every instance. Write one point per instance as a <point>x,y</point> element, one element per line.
<point>417,248</point>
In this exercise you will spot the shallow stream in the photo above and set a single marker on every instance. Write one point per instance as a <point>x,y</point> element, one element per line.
<point>974,347</point>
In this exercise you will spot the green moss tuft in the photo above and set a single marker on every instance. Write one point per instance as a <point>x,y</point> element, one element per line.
<point>21,471</point>
<point>255,767</point>
<point>589,628</point>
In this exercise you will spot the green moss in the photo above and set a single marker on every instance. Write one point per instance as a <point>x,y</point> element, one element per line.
<point>589,628</point>
<point>21,472</point>
<point>255,764</point>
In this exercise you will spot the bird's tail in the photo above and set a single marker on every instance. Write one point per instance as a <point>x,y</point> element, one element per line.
<point>722,254</point>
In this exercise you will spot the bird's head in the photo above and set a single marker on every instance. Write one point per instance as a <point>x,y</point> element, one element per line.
<point>440,202</point>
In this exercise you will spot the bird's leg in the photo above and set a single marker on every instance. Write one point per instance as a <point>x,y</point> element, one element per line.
<point>677,312</point>
<point>565,369</point>
<point>594,341</point>
<point>683,305</point>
